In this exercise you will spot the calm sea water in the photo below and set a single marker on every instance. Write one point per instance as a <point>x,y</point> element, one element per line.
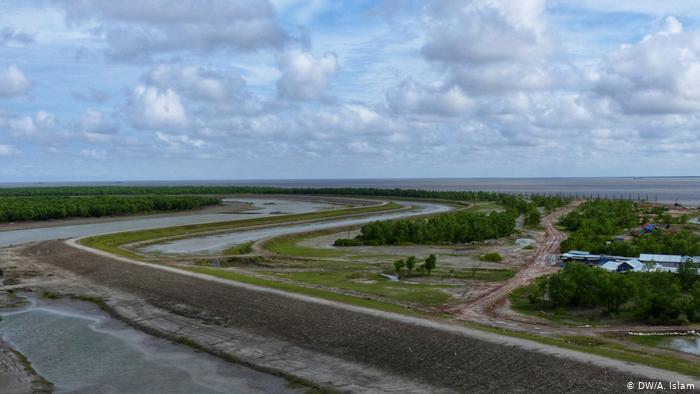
<point>684,190</point>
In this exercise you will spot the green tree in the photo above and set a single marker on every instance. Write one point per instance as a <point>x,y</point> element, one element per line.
<point>410,264</point>
<point>430,263</point>
<point>659,297</point>
<point>398,266</point>
<point>615,290</point>
<point>533,216</point>
<point>688,274</point>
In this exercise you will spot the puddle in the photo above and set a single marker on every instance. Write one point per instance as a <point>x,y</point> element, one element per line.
<point>686,344</point>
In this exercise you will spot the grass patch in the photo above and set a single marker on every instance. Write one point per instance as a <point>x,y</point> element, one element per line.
<point>51,295</point>
<point>288,246</point>
<point>373,284</point>
<point>312,292</point>
<point>245,248</point>
<point>112,243</point>
<point>492,257</point>
<point>646,340</point>
<point>100,302</point>
<point>485,207</point>
<point>483,274</point>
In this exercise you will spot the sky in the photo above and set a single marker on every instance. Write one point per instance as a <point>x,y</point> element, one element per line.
<point>101,90</point>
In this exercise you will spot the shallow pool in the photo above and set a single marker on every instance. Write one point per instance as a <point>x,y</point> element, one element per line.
<point>687,344</point>
<point>82,350</point>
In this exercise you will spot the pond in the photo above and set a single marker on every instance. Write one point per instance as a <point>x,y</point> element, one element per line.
<point>686,344</point>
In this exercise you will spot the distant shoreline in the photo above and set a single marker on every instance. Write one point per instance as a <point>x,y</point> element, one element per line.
<point>664,189</point>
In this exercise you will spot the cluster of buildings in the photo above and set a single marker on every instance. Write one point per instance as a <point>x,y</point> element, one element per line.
<point>643,263</point>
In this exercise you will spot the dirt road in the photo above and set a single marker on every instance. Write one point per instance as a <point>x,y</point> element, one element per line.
<point>543,262</point>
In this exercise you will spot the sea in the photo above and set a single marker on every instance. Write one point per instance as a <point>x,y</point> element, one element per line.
<point>682,190</point>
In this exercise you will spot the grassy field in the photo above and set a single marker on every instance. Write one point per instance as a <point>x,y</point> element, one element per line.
<point>239,249</point>
<point>288,246</point>
<point>313,292</point>
<point>372,283</point>
<point>113,243</point>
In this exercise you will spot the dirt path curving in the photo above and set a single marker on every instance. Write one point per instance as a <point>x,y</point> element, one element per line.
<point>543,262</point>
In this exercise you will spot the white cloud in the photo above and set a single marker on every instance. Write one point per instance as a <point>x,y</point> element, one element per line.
<point>28,126</point>
<point>96,154</point>
<point>305,77</point>
<point>411,97</point>
<point>210,92</point>
<point>93,122</point>
<point>152,108</point>
<point>195,82</point>
<point>179,141</point>
<point>13,82</point>
<point>491,45</point>
<point>658,75</point>
<point>137,29</point>
<point>7,150</point>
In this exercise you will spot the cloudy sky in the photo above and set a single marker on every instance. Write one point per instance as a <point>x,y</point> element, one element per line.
<point>229,89</point>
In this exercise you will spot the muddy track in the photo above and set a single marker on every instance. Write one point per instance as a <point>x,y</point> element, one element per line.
<point>447,359</point>
<point>482,310</point>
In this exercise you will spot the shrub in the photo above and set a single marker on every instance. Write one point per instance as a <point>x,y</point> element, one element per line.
<point>492,256</point>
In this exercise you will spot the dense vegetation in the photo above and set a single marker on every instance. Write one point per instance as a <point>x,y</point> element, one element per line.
<point>23,209</point>
<point>455,227</point>
<point>656,297</point>
<point>594,223</point>
<point>14,209</point>
<point>684,243</point>
<point>506,199</point>
<point>451,227</point>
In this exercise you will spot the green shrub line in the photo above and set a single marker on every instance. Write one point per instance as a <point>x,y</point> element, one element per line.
<point>650,297</point>
<point>16,209</point>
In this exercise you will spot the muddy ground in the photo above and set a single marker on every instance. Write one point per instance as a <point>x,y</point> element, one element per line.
<point>433,357</point>
<point>16,374</point>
